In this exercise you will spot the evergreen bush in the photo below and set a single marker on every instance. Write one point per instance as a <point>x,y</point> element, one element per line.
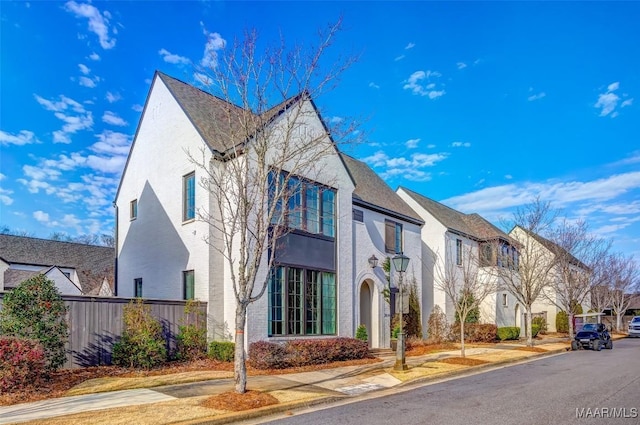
<point>508,333</point>
<point>438,328</point>
<point>361,333</point>
<point>142,344</point>
<point>35,310</point>
<point>191,341</point>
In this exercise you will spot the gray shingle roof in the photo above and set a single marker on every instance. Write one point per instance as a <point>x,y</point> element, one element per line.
<point>371,189</point>
<point>472,225</point>
<point>221,124</point>
<point>92,263</point>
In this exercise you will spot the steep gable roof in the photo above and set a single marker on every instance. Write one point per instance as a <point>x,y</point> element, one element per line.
<point>92,263</point>
<point>552,247</point>
<point>473,225</point>
<point>370,190</point>
<point>220,123</point>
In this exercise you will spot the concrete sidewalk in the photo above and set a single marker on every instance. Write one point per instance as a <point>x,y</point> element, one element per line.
<point>303,388</point>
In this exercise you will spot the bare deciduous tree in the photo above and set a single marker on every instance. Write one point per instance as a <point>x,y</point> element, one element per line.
<point>577,253</point>
<point>270,140</point>
<point>625,284</point>
<point>465,284</point>
<point>529,273</point>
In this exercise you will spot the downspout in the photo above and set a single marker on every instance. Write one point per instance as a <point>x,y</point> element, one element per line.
<point>115,260</point>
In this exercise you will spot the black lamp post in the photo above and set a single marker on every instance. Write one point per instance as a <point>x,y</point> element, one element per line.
<point>400,264</point>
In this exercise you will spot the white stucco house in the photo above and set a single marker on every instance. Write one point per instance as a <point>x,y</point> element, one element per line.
<point>547,305</point>
<point>321,284</point>
<point>75,269</point>
<point>448,237</point>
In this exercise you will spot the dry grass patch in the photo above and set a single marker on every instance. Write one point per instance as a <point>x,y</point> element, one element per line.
<point>419,348</point>
<point>463,361</point>
<point>532,349</point>
<point>235,402</point>
<point>429,369</point>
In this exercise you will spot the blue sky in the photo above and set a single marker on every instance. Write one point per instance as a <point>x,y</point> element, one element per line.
<point>482,106</point>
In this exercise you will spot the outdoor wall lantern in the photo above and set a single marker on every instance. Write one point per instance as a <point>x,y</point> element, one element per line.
<point>373,261</point>
<point>400,264</point>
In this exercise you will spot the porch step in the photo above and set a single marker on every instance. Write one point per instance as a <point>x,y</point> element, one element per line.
<point>381,352</point>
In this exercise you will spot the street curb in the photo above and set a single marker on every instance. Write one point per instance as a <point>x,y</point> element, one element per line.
<point>263,411</point>
<point>279,408</point>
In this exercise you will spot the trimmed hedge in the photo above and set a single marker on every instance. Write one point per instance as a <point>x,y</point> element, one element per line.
<point>541,322</point>
<point>508,333</point>
<point>535,329</point>
<point>562,322</point>
<point>304,352</point>
<point>22,363</point>
<point>474,332</point>
<point>223,351</point>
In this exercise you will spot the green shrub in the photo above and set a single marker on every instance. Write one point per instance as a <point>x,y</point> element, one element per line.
<point>361,333</point>
<point>191,341</point>
<point>534,330</point>
<point>223,351</point>
<point>22,363</point>
<point>142,344</point>
<point>395,332</point>
<point>35,310</point>
<point>562,322</point>
<point>412,320</point>
<point>508,333</point>
<point>437,326</point>
<point>303,352</point>
<point>474,332</point>
<point>541,322</point>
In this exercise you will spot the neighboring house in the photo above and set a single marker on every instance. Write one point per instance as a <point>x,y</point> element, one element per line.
<point>76,269</point>
<point>383,226</point>
<point>547,305</point>
<point>449,237</point>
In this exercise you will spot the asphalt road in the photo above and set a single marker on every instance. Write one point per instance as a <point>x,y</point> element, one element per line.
<point>552,390</point>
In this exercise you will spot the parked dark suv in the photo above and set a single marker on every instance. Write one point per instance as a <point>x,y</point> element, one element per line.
<point>594,336</point>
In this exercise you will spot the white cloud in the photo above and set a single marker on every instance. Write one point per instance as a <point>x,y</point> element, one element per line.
<point>410,168</point>
<point>62,105</point>
<point>508,176</point>
<point>336,120</point>
<point>84,69</point>
<point>112,97</point>
<point>113,119</point>
<point>137,108</point>
<point>87,82</point>
<point>94,56</point>
<point>399,58</point>
<point>2,177</point>
<point>461,144</point>
<point>412,143</point>
<point>41,216</point>
<point>24,137</point>
<point>409,46</point>
<point>98,22</point>
<point>215,42</point>
<point>416,85</point>
<point>112,142</point>
<point>172,58</point>
<point>60,136</point>
<point>202,79</point>
<point>607,102</point>
<point>82,120</point>
<point>431,146</point>
<point>374,85</point>
<point>5,197</point>
<point>536,96</point>
<point>461,65</point>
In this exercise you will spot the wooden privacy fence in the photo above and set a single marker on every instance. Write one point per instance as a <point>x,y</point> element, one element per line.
<point>95,324</point>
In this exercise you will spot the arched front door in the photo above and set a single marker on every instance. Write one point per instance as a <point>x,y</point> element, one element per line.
<point>365,309</point>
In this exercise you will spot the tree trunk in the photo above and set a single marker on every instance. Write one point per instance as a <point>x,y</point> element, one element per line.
<point>239,363</point>
<point>571,326</point>
<point>618,322</point>
<point>462,338</point>
<point>527,325</point>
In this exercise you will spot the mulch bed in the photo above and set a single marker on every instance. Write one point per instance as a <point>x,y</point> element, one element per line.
<point>532,349</point>
<point>235,402</point>
<point>463,361</point>
<point>63,380</point>
<point>418,349</point>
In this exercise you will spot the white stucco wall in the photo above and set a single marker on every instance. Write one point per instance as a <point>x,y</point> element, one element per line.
<point>3,267</point>
<point>62,282</point>
<point>157,246</point>
<point>368,240</point>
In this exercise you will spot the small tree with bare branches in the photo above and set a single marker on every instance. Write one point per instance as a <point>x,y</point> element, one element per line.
<point>625,284</point>
<point>577,253</point>
<point>527,274</point>
<point>271,143</point>
<point>464,284</point>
